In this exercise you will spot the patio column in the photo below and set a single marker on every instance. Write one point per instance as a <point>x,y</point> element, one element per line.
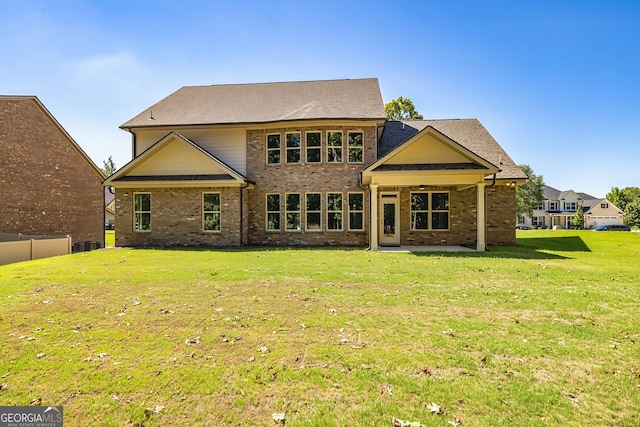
<point>482,220</point>
<point>373,229</point>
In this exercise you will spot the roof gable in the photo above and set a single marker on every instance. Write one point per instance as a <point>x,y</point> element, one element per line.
<point>176,158</point>
<point>265,102</point>
<point>469,134</point>
<point>430,149</point>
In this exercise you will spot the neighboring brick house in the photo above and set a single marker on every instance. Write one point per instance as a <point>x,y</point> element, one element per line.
<point>558,209</point>
<point>299,163</point>
<point>48,185</point>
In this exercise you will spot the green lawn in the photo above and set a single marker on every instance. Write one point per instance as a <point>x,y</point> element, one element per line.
<point>546,334</point>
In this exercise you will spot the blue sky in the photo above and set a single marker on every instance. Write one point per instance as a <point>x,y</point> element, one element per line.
<point>557,83</point>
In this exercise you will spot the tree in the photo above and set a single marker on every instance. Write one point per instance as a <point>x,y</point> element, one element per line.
<point>632,213</point>
<point>529,195</point>
<point>401,109</point>
<point>628,201</point>
<point>109,167</point>
<point>578,218</point>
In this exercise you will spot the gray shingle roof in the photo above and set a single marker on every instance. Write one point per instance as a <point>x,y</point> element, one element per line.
<point>469,133</point>
<point>265,102</point>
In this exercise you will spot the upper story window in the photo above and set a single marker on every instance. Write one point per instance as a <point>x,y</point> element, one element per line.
<point>541,206</point>
<point>569,206</point>
<point>604,205</point>
<point>553,206</point>
<point>142,212</point>
<point>334,146</point>
<point>355,145</point>
<point>211,211</point>
<point>273,149</point>
<point>314,147</point>
<point>293,147</point>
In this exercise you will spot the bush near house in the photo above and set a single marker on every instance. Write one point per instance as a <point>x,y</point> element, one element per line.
<point>544,334</point>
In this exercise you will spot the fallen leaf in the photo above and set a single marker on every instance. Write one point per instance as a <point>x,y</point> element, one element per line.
<point>40,355</point>
<point>455,423</point>
<point>36,402</point>
<point>3,386</point>
<point>434,408</point>
<point>278,417</point>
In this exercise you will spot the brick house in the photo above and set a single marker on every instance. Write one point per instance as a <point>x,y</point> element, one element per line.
<point>48,185</point>
<point>299,163</point>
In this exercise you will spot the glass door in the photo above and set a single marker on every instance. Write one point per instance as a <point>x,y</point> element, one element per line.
<point>389,219</point>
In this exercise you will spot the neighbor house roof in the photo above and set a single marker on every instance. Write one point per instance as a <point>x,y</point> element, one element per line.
<point>469,133</point>
<point>265,103</point>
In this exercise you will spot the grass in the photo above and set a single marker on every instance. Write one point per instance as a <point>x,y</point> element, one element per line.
<point>543,334</point>
<point>109,238</point>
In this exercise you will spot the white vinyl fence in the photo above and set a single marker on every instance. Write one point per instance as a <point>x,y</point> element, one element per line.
<point>19,247</point>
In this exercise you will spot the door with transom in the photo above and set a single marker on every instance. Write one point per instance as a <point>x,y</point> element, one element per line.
<point>389,214</point>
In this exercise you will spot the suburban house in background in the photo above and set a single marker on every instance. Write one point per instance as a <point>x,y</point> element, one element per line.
<point>109,208</point>
<point>48,185</point>
<point>559,207</point>
<point>309,163</point>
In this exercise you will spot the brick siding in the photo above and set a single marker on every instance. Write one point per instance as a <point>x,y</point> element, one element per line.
<point>46,186</point>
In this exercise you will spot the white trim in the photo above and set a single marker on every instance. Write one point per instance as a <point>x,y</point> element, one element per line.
<point>219,212</point>
<point>133,201</point>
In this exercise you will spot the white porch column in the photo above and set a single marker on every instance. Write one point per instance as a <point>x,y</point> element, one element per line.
<point>482,220</point>
<point>373,228</point>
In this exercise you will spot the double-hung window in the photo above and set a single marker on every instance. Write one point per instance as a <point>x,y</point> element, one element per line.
<point>211,211</point>
<point>314,147</point>
<point>293,147</point>
<point>334,211</point>
<point>273,212</point>
<point>356,211</point>
<point>334,146</point>
<point>273,149</point>
<point>292,211</point>
<point>354,146</point>
<point>314,211</point>
<point>429,211</point>
<point>142,211</point>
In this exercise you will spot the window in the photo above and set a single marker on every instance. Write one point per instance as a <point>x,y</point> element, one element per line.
<point>273,212</point>
<point>356,211</point>
<point>292,211</point>
<point>419,211</point>
<point>273,149</point>
<point>570,206</point>
<point>293,147</point>
<point>541,206</point>
<point>354,145</point>
<point>537,221</point>
<point>314,212</point>
<point>334,211</point>
<point>142,212</point>
<point>439,211</point>
<point>211,211</point>
<point>553,206</point>
<point>429,211</point>
<point>604,205</point>
<point>334,147</point>
<point>314,147</point>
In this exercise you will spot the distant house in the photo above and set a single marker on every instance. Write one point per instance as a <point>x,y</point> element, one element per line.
<point>309,163</point>
<point>109,208</point>
<point>559,208</point>
<point>48,185</point>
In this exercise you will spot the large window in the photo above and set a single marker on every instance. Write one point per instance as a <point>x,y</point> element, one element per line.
<point>273,149</point>
<point>354,145</point>
<point>314,147</point>
<point>570,206</point>
<point>293,147</point>
<point>142,212</point>
<point>356,211</point>
<point>537,221</point>
<point>313,211</point>
<point>334,211</point>
<point>292,211</point>
<point>553,206</point>
<point>273,212</point>
<point>334,147</point>
<point>211,211</point>
<point>429,211</point>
